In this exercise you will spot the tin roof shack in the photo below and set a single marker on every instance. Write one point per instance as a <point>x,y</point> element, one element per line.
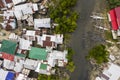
<point>38,53</point>
<point>3,75</point>
<point>22,11</point>
<point>30,64</point>
<point>9,21</point>
<point>112,73</point>
<point>54,58</point>
<point>57,58</point>
<point>7,56</point>
<point>25,12</point>
<point>43,69</point>
<point>29,35</point>
<point>8,50</point>
<point>8,47</point>
<point>21,77</point>
<point>8,64</point>
<point>6,75</point>
<point>19,61</point>
<point>50,40</point>
<point>42,23</point>
<point>114,18</point>
<point>117,12</point>
<point>18,1</point>
<point>25,44</point>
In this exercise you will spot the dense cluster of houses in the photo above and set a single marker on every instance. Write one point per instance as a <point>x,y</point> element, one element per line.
<point>19,55</point>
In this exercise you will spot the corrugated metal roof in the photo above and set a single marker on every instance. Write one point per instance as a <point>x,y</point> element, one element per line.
<point>38,53</point>
<point>20,55</point>
<point>18,1</point>
<point>3,75</point>
<point>7,56</point>
<point>117,11</point>
<point>42,23</point>
<point>113,19</point>
<point>10,76</point>
<point>8,47</point>
<point>47,43</point>
<point>43,66</point>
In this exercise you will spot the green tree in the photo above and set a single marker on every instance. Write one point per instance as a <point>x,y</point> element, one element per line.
<point>62,14</point>
<point>113,3</point>
<point>70,66</point>
<point>48,77</point>
<point>99,54</point>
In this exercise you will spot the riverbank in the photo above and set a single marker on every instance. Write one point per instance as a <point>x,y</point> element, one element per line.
<point>85,37</point>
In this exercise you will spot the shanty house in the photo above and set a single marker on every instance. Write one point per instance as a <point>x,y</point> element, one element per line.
<point>25,44</point>
<point>50,40</point>
<point>30,64</point>
<point>43,69</point>
<point>42,23</point>
<point>112,73</point>
<point>18,1</point>
<point>38,53</point>
<point>8,47</point>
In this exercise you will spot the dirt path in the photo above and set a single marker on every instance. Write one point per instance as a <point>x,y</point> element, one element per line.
<point>85,37</point>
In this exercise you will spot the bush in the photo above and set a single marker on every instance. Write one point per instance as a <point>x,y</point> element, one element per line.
<point>108,36</point>
<point>48,77</point>
<point>99,54</point>
<point>70,66</point>
<point>113,3</point>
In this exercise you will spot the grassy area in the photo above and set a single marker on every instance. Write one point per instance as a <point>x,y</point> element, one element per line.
<point>30,28</point>
<point>70,66</point>
<point>1,19</point>
<point>108,36</point>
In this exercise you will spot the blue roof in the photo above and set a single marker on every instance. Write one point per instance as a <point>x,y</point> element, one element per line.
<point>10,76</point>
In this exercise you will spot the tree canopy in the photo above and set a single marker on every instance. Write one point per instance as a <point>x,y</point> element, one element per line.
<point>113,3</point>
<point>70,66</point>
<point>63,14</point>
<point>99,54</point>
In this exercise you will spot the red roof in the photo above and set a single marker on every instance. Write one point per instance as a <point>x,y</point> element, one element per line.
<point>7,56</point>
<point>113,19</point>
<point>117,11</point>
<point>47,42</point>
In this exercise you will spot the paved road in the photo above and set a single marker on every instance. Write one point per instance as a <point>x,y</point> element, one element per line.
<point>84,37</point>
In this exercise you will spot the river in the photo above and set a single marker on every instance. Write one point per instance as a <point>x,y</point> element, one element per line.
<point>85,37</point>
